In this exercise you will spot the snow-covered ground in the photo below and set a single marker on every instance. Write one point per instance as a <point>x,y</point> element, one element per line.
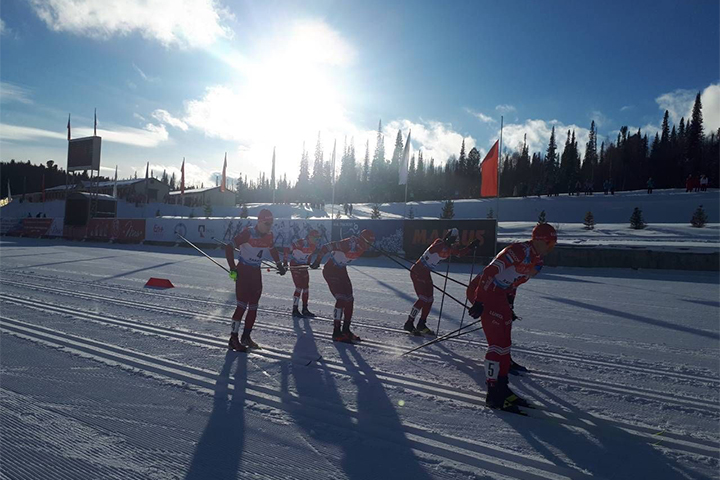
<point>102,378</point>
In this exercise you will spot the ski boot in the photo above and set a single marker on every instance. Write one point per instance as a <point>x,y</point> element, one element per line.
<point>511,396</point>
<point>422,329</point>
<point>307,313</point>
<point>247,342</point>
<point>235,345</point>
<point>516,368</point>
<point>296,312</point>
<point>496,398</point>
<point>410,326</point>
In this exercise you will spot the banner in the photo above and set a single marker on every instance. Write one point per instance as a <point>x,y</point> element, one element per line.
<point>388,233</point>
<point>116,229</point>
<point>419,234</point>
<point>489,173</point>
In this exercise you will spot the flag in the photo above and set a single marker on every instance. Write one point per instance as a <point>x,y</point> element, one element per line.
<point>95,127</point>
<point>272,173</point>
<point>147,170</point>
<point>115,185</point>
<point>489,172</point>
<point>9,192</point>
<point>43,188</point>
<point>68,127</point>
<point>182,178</point>
<point>224,175</point>
<point>403,166</point>
<point>332,178</point>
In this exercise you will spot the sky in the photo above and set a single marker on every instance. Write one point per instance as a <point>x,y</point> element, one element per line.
<point>194,79</point>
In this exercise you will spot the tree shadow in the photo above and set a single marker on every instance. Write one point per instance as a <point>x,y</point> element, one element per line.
<point>218,454</point>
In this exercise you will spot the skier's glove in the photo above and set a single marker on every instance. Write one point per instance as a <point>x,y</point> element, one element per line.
<point>474,244</point>
<point>281,268</point>
<point>476,310</point>
<point>233,275</point>
<point>315,265</point>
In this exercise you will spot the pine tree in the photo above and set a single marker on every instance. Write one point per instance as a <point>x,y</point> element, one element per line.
<point>541,218</point>
<point>208,210</point>
<point>243,211</point>
<point>636,219</point>
<point>448,210</point>
<point>551,161</point>
<point>699,218</point>
<point>377,168</point>
<point>375,214</point>
<point>589,221</point>
<point>411,213</point>
<point>695,137</point>
<point>318,173</point>
<point>490,214</point>
<point>304,175</point>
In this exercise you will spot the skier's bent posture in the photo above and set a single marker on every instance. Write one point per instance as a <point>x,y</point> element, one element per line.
<point>421,276</point>
<point>252,244</point>
<point>495,288</point>
<point>300,252</point>
<point>343,253</point>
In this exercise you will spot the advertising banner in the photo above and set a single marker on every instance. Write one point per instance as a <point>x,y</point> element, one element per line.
<point>419,234</point>
<point>388,233</point>
<point>116,229</point>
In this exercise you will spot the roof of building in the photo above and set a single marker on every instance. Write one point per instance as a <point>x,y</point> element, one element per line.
<point>195,191</point>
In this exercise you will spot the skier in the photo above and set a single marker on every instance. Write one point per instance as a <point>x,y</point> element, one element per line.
<point>420,273</point>
<point>300,252</point>
<point>493,296</point>
<point>343,253</point>
<point>252,243</point>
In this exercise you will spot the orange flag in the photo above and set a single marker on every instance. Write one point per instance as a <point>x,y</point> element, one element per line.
<point>489,171</point>
<point>224,177</point>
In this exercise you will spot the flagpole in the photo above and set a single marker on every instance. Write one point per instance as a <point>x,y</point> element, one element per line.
<point>497,206</point>
<point>332,201</point>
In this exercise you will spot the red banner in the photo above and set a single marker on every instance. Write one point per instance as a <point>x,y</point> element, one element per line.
<point>35,227</point>
<point>489,171</point>
<point>119,229</point>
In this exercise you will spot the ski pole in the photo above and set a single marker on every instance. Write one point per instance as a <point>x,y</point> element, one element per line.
<point>406,268</point>
<point>440,339</point>
<point>206,255</point>
<point>472,270</point>
<point>265,262</point>
<point>442,301</point>
<point>431,271</point>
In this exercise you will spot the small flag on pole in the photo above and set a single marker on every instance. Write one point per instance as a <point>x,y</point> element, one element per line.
<point>147,171</point>
<point>68,127</point>
<point>224,177</point>
<point>9,192</point>
<point>95,126</point>
<point>489,172</point>
<point>403,174</point>
<point>182,178</point>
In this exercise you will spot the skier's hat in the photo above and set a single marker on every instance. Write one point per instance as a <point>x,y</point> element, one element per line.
<point>451,235</point>
<point>546,233</point>
<point>313,235</point>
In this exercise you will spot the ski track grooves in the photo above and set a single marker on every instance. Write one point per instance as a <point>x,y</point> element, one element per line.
<point>585,421</point>
<point>214,303</point>
<point>465,451</point>
<point>605,387</point>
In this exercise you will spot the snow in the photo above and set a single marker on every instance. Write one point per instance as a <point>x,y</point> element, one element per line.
<point>102,378</point>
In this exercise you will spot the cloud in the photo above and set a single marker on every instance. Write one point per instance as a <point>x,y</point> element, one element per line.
<point>150,136</point>
<point>3,28</point>
<point>599,118</point>
<point>16,132</point>
<point>194,174</point>
<point>481,116</point>
<point>14,93</point>
<point>538,135</point>
<point>627,107</point>
<point>710,99</point>
<point>184,23</point>
<point>437,140</point>
<point>165,117</point>
<point>680,104</point>
<point>505,108</point>
<point>144,76</point>
<point>315,41</point>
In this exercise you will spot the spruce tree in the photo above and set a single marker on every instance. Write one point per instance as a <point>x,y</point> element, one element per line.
<point>699,218</point>
<point>208,210</point>
<point>448,210</point>
<point>243,211</point>
<point>589,221</point>
<point>636,220</point>
<point>551,161</point>
<point>411,213</point>
<point>375,214</point>
<point>541,218</point>
<point>695,138</point>
<point>490,214</point>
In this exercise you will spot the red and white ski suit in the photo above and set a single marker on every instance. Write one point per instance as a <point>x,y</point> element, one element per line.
<point>495,287</point>
<point>342,253</point>
<point>300,252</point>
<point>421,276</point>
<point>248,287</point>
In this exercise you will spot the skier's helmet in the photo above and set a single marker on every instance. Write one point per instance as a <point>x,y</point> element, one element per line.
<point>265,216</point>
<point>368,236</point>
<point>546,233</point>
<point>451,235</point>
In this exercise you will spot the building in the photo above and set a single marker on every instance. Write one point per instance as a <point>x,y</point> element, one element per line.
<point>198,197</point>
<point>134,190</point>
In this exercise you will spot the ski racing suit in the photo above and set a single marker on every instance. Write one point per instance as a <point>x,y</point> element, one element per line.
<point>300,252</point>
<point>421,275</point>
<point>248,287</point>
<point>342,253</point>
<point>495,288</point>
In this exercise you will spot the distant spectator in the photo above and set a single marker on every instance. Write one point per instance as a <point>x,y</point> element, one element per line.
<point>696,184</point>
<point>606,187</point>
<point>578,187</point>
<point>689,183</point>
<point>350,209</point>
<point>38,215</point>
<point>570,189</point>
<point>704,183</point>
<point>612,187</point>
<point>588,188</point>
<point>650,185</point>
